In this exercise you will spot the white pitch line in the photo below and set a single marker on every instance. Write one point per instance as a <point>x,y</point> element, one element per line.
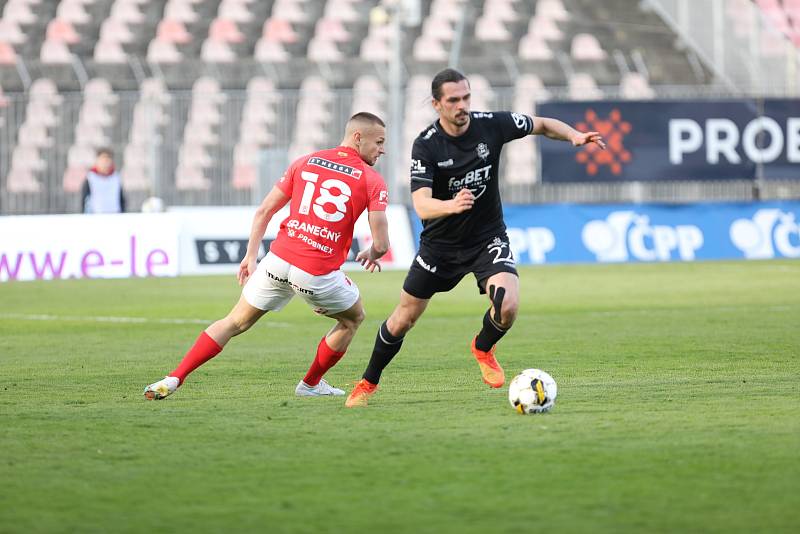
<point>115,319</point>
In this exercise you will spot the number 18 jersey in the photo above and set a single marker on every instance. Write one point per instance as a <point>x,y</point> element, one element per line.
<point>329,190</point>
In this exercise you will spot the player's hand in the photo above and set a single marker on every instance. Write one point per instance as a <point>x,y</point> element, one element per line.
<point>365,258</point>
<point>246,269</point>
<point>584,138</point>
<point>463,201</point>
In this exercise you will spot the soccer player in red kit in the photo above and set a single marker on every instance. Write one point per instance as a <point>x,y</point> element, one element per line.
<point>328,191</point>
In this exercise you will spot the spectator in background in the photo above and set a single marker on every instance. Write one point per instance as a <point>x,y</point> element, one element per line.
<point>102,190</point>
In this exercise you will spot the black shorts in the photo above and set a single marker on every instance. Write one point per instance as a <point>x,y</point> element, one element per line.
<point>437,270</point>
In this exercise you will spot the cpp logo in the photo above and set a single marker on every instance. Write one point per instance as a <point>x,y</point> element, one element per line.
<point>626,233</point>
<point>768,230</point>
<point>536,242</point>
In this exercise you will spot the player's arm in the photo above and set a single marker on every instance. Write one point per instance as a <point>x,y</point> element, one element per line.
<point>428,207</point>
<point>273,202</point>
<point>560,131</point>
<point>379,228</point>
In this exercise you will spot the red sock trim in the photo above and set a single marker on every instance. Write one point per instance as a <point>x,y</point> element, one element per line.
<point>325,359</point>
<point>204,349</point>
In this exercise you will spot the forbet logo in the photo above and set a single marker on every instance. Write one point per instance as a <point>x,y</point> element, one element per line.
<point>613,129</point>
<point>769,230</point>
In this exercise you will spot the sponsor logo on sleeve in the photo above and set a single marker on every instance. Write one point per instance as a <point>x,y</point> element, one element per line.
<point>521,121</point>
<point>417,167</point>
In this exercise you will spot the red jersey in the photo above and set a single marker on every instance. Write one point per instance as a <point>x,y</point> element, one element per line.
<point>329,190</point>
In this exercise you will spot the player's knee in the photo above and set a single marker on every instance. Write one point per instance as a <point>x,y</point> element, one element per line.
<point>508,312</point>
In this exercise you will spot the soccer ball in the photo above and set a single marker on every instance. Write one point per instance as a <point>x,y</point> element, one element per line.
<point>532,391</point>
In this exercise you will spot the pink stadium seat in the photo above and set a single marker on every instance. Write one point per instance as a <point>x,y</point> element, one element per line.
<point>27,158</point>
<point>521,164</point>
<point>586,47</point>
<point>99,89</point>
<point>429,49</point>
<point>279,30</point>
<point>256,133</point>
<point>11,33</point>
<point>40,111</point>
<point>635,86</point>
<point>94,112</point>
<point>91,135</point>
<point>191,178</point>
<point>331,30</point>
<point>62,31</point>
<point>270,51</point>
<point>552,9</point>
<point>213,51</point>
<point>449,10</point>
<point>224,30</point>
<point>440,29</point>
<point>72,11</point>
<point>545,28</point>
<point>173,31</point>
<point>35,135</point>
<point>235,10</point>
<point>55,52</point>
<point>341,10</point>
<point>323,50</point>
<point>19,13</point>
<point>180,10</point>
<point>80,156</point>
<point>115,30</point>
<point>502,10</point>
<point>7,54</point>
<point>44,90</point>
<point>375,49</point>
<point>244,176</point>
<point>110,52</point>
<point>491,29</point>
<point>159,51</point>
<point>127,12</point>
<point>204,110</point>
<point>21,180</point>
<point>194,154</point>
<point>583,87</point>
<point>533,47</point>
<point>73,178</point>
<point>291,10</point>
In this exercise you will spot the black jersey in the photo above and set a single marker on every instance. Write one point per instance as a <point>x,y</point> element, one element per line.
<point>448,164</point>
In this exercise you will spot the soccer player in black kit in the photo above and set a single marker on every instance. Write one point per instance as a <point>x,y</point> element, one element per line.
<point>454,189</point>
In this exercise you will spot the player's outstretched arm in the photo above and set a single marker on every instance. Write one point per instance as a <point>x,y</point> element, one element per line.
<point>379,228</point>
<point>428,207</point>
<point>273,202</point>
<point>555,129</point>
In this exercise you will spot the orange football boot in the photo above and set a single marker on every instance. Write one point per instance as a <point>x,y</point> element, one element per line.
<point>360,394</point>
<point>490,370</point>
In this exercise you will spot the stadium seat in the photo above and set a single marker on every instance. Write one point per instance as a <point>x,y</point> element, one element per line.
<point>491,29</point>
<point>34,134</point>
<point>72,11</point>
<point>448,10</point>
<point>521,164</point>
<point>173,31</point>
<point>11,33</point>
<point>279,30</point>
<point>181,11</point>
<point>533,47</point>
<point>586,47</point>
<point>552,9</point>
<point>428,48</point>
<point>291,10</point>
<point>100,89</point>
<point>583,87</point>
<point>234,10</point>
<point>55,52</point>
<point>109,52</point>
<point>341,10</point>
<point>270,52</point>
<point>323,50</point>
<point>225,30</point>
<point>62,31</point>
<point>73,177</point>
<point>331,30</point>
<point>635,86</point>
<point>7,54</point>
<point>213,51</point>
<point>545,28</point>
<point>116,31</point>
<point>19,12</point>
<point>191,178</point>
<point>194,154</point>
<point>159,51</point>
<point>482,94</point>
<point>22,180</point>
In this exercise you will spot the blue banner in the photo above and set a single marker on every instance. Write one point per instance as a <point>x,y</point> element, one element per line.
<point>567,233</point>
<point>676,140</point>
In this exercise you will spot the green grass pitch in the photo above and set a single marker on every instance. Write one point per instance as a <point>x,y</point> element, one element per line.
<point>678,410</point>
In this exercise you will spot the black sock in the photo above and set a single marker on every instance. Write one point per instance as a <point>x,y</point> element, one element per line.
<point>386,346</point>
<point>489,334</point>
